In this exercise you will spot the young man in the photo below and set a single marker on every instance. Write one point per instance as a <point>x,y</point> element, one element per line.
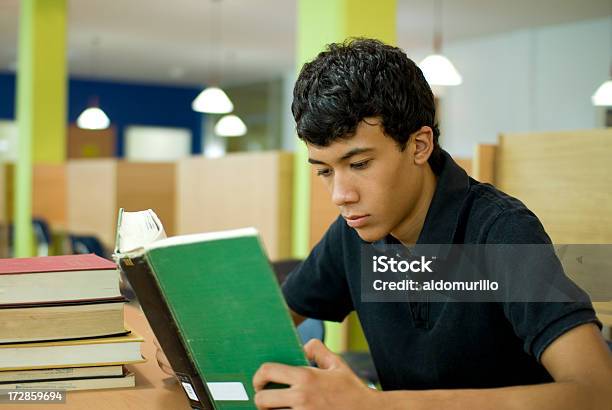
<point>366,114</point>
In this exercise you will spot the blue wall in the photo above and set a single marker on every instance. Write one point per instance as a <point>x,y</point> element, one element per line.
<point>7,96</point>
<point>125,104</point>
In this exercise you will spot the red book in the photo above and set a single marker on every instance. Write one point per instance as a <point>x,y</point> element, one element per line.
<point>61,263</point>
<point>49,279</point>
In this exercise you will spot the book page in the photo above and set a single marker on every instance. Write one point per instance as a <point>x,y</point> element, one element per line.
<point>138,229</point>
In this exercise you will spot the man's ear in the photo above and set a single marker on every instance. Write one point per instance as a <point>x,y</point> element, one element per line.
<point>423,144</point>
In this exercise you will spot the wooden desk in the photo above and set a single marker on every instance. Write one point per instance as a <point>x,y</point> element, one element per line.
<point>154,390</point>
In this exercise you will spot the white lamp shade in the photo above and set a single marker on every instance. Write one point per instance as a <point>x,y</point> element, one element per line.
<point>212,100</point>
<point>603,95</point>
<point>93,118</point>
<point>230,126</point>
<point>438,70</point>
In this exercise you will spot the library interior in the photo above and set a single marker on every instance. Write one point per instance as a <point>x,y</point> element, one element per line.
<point>155,195</point>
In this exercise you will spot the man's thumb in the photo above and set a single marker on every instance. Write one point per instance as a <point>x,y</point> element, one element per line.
<point>316,351</point>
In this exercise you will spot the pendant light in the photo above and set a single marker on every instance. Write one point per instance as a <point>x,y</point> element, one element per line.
<point>93,117</point>
<point>437,69</point>
<point>230,126</point>
<point>213,100</point>
<point>603,95</point>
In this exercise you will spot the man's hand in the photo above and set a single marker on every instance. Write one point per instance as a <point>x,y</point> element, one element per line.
<point>331,386</point>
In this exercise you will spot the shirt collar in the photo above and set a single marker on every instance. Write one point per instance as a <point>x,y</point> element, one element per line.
<point>445,209</point>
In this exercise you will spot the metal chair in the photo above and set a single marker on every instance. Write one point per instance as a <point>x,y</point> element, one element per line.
<point>80,244</point>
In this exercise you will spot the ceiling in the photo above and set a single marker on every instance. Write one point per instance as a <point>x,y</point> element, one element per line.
<point>170,42</point>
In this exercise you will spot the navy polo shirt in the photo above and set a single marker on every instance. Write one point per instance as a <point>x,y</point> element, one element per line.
<point>437,345</point>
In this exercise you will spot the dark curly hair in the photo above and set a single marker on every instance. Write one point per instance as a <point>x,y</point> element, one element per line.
<point>357,79</point>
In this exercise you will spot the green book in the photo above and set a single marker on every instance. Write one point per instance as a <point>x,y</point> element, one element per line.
<point>214,304</point>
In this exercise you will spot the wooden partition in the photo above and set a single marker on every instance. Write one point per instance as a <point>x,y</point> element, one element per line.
<point>483,168</point>
<point>48,198</point>
<point>465,163</point>
<point>564,177</point>
<point>239,190</point>
<point>92,198</point>
<point>142,185</point>
<point>97,188</point>
<point>91,143</point>
<point>8,174</point>
<point>3,193</point>
<point>3,212</point>
<point>48,193</point>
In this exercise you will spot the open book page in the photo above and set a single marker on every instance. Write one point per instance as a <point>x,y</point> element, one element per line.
<point>137,229</point>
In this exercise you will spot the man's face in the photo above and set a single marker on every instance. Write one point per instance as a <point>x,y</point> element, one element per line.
<point>374,184</point>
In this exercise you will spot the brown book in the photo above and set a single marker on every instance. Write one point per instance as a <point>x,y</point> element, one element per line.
<point>70,320</point>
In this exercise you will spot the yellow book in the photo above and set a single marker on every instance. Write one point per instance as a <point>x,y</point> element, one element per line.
<point>37,323</point>
<point>100,351</point>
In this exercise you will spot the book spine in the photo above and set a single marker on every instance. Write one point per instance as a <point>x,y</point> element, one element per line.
<point>162,322</point>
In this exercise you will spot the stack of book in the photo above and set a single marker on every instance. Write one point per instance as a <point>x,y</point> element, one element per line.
<point>62,325</point>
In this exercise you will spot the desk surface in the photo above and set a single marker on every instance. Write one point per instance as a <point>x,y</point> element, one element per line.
<point>154,390</point>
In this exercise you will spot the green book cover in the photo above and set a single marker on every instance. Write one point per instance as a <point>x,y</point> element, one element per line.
<point>228,308</point>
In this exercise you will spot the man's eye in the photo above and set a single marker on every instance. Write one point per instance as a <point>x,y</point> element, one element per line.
<point>325,172</point>
<point>360,164</point>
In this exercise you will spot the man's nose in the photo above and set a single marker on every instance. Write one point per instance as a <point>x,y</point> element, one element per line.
<point>343,191</point>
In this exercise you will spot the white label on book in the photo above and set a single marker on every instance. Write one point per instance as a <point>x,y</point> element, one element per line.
<point>227,391</point>
<point>190,392</point>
